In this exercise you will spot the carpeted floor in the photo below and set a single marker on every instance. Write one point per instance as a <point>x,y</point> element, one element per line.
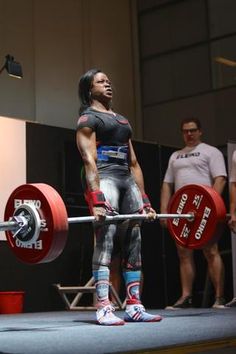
<point>73,332</point>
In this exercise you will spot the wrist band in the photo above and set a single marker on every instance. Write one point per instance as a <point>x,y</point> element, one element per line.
<point>146,201</point>
<point>96,198</point>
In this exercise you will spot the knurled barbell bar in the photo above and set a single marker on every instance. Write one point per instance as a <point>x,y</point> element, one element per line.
<point>20,223</point>
<point>36,220</point>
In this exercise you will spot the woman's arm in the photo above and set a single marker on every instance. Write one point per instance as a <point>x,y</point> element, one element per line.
<point>136,169</point>
<point>138,177</point>
<point>86,143</point>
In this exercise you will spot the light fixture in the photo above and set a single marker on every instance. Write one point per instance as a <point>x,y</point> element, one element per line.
<point>225,61</point>
<point>12,67</point>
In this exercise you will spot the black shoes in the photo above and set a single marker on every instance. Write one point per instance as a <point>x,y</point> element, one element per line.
<point>182,303</point>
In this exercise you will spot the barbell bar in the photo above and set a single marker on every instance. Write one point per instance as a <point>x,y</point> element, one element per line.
<point>23,222</point>
<point>36,221</point>
<point>18,224</point>
<point>122,217</point>
<point>9,225</point>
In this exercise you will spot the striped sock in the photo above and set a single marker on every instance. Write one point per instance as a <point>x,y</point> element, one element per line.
<point>102,286</point>
<point>132,281</point>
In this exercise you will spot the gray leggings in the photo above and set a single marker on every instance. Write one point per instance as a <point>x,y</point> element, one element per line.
<point>124,197</point>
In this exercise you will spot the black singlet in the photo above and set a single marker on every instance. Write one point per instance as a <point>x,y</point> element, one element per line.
<point>111,130</point>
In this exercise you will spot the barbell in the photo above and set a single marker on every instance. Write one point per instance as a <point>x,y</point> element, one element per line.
<point>36,221</point>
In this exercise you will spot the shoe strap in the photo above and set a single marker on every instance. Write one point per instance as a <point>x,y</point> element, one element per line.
<point>139,308</point>
<point>108,309</point>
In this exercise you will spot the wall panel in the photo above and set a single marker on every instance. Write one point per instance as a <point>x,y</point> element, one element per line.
<point>56,42</point>
<point>170,27</point>
<point>162,122</point>
<point>222,17</point>
<point>179,43</point>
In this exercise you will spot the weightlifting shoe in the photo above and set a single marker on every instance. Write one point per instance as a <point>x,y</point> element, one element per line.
<point>219,303</point>
<point>182,303</point>
<point>106,317</point>
<point>137,313</point>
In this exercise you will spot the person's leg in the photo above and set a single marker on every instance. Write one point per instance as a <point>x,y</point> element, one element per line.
<point>187,275</point>
<point>216,273</point>
<point>116,278</point>
<point>187,270</point>
<point>104,235</point>
<point>115,275</point>
<point>115,267</point>
<point>101,274</point>
<point>135,311</point>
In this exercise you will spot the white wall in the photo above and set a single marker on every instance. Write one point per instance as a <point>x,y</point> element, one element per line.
<point>12,159</point>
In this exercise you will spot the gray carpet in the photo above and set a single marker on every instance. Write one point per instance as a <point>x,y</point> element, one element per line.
<point>73,332</point>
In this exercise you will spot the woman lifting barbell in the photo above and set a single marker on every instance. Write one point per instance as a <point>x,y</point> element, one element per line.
<point>114,184</point>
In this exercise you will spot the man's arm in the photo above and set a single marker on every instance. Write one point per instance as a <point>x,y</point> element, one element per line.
<point>219,184</point>
<point>166,193</point>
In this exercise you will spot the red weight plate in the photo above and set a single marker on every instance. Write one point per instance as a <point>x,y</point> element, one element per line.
<point>209,215</point>
<point>54,223</point>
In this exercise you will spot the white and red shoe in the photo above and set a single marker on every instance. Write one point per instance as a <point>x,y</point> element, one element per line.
<point>106,317</point>
<point>137,313</point>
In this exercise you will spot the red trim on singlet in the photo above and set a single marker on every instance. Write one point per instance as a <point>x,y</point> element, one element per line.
<point>83,119</point>
<point>123,121</point>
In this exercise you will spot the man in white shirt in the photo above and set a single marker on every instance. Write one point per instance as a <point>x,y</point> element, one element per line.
<point>196,163</point>
<point>232,197</point>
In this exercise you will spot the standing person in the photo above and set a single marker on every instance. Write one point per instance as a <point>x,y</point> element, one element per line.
<point>114,184</point>
<point>232,210</point>
<point>196,163</point>
<point>232,194</point>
